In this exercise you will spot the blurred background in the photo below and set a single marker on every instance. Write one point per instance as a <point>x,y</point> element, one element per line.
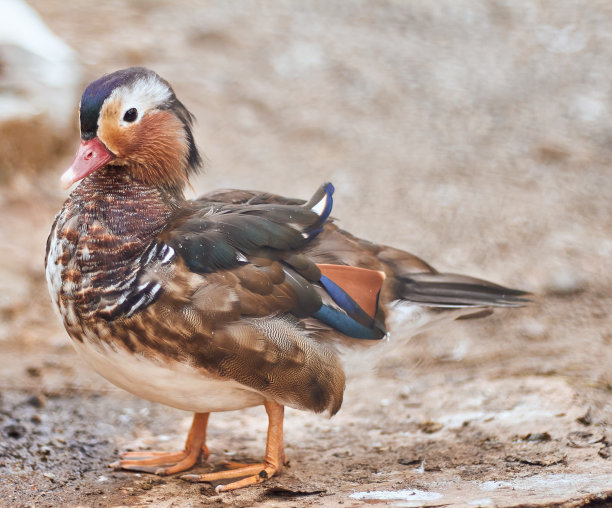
<point>475,134</point>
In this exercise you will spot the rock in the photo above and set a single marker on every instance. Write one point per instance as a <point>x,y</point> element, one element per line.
<point>33,372</point>
<point>14,430</point>
<point>409,461</point>
<point>39,86</point>
<point>586,419</point>
<point>533,329</point>
<point>429,427</point>
<point>564,281</point>
<point>37,401</point>
<point>536,437</point>
<point>583,439</point>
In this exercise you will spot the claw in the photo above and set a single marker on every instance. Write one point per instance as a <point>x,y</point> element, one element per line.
<point>194,478</point>
<point>139,469</point>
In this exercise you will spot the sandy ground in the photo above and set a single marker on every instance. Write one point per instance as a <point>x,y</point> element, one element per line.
<point>474,134</point>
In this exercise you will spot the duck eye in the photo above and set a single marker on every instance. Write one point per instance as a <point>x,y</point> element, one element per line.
<point>130,115</point>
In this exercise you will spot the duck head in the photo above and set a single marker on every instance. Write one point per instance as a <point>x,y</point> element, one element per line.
<point>131,119</point>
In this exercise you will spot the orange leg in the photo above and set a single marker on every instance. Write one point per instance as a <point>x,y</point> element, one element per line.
<point>149,462</point>
<point>255,473</point>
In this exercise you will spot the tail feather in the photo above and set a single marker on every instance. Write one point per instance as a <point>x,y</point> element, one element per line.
<point>447,290</point>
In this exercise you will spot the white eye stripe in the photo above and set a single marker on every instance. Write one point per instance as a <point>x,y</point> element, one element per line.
<point>144,94</point>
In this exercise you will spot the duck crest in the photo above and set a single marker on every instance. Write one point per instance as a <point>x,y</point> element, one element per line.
<point>98,91</point>
<point>102,241</point>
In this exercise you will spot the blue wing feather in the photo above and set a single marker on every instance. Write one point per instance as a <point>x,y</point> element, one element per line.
<point>349,305</point>
<point>346,324</point>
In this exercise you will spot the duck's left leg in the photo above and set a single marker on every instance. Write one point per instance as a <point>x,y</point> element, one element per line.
<point>255,473</point>
<point>149,462</point>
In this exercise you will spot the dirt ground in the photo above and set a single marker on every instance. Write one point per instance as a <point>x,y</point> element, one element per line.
<point>476,135</point>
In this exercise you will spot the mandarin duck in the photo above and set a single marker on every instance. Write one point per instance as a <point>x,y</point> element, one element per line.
<point>232,300</point>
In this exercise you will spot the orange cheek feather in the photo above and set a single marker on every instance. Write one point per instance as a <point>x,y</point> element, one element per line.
<point>155,148</point>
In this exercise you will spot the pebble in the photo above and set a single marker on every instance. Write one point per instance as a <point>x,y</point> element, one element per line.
<point>33,371</point>
<point>14,430</point>
<point>37,401</point>
<point>536,437</point>
<point>564,281</point>
<point>533,329</point>
<point>586,419</point>
<point>429,427</point>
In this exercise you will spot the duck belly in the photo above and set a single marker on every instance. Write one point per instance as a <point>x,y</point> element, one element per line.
<point>167,381</point>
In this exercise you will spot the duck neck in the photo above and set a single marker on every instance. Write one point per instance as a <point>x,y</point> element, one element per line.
<point>124,206</point>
